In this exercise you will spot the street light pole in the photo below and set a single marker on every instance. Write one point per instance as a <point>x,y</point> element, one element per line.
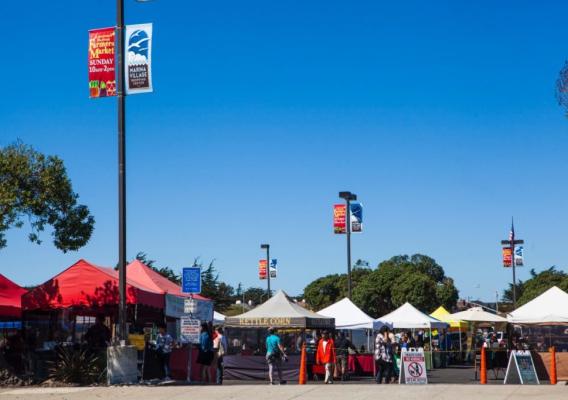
<point>122,311</point>
<point>348,197</point>
<point>267,247</point>
<point>511,243</point>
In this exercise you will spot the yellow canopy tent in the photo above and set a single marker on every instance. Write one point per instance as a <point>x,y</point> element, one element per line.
<point>455,325</point>
<point>443,315</point>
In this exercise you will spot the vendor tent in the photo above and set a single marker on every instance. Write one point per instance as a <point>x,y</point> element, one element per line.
<point>550,308</point>
<point>476,314</point>
<point>443,315</point>
<point>85,284</point>
<point>347,315</point>
<point>409,317</point>
<point>174,297</point>
<point>10,298</point>
<point>280,312</point>
<point>218,318</point>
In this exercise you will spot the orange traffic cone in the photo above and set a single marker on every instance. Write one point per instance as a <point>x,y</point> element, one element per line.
<point>553,379</point>
<point>302,380</point>
<point>483,371</point>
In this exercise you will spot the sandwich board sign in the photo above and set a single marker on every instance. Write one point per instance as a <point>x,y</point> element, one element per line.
<point>189,330</point>
<point>412,367</point>
<point>520,369</point>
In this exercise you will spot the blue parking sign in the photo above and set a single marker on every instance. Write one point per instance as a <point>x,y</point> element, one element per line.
<point>191,280</point>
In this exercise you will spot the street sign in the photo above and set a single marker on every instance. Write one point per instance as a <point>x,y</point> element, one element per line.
<point>413,367</point>
<point>191,280</point>
<point>189,329</point>
<point>523,370</point>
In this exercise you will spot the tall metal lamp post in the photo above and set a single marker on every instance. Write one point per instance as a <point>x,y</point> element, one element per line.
<point>267,247</point>
<point>121,98</point>
<point>511,245</point>
<point>348,197</point>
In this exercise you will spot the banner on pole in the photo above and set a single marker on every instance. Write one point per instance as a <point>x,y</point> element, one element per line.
<point>339,218</point>
<point>138,68</point>
<point>356,217</point>
<point>102,77</point>
<point>507,257</point>
<point>273,263</point>
<point>519,250</point>
<point>262,269</point>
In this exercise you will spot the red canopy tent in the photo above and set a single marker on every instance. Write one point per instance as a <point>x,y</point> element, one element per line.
<point>146,276</point>
<point>85,284</point>
<point>174,297</point>
<point>10,298</point>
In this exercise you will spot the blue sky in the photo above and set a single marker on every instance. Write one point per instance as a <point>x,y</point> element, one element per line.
<point>441,117</point>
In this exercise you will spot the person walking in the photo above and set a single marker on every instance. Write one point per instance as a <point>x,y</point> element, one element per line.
<point>205,355</point>
<point>326,355</point>
<point>164,344</point>
<point>220,346</point>
<point>343,344</point>
<point>383,356</point>
<point>274,356</point>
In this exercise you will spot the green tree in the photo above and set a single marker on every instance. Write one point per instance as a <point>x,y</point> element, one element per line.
<point>220,292</point>
<point>324,291</point>
<point>35,188</point>
<point>256,294</point>
<point>447,294</point>
<point>417,289</point>
<point>540,283</point>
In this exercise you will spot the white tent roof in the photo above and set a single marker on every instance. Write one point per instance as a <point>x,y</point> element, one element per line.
<point>550,308</point>
<point>280,311</point>
<point>347,315</point>
<point>218,318</point>
<point>476,314</point>
<point>408,316</point>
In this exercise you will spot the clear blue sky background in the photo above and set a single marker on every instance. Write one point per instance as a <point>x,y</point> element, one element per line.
<point>441,116</point>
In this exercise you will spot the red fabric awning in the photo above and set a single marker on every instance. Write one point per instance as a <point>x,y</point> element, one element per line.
<point>10,298</point>
<point>146,276</point>
<point>85,284</point>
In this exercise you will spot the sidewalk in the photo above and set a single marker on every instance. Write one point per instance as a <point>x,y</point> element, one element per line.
<point>295,392</point>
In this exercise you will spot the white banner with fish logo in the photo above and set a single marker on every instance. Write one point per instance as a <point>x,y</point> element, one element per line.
<point>138,57</point>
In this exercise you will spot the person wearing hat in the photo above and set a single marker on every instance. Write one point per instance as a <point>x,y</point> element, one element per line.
<point>326,355</point>
<point>274,356</point>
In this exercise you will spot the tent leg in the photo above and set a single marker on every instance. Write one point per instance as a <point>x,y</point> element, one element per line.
<point>431,350</point>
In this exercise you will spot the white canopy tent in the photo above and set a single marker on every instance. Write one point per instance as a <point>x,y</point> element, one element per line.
<point>409,317</point>
<point>347,315</point>
<point>550,308</point>
<point>476,314</point>
<point>218,318</point>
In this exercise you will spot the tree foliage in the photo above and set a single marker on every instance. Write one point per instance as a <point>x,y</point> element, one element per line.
<point>222,293</point>
<point>35,188</point>
<point>540,283</point>
<point>418,280</point>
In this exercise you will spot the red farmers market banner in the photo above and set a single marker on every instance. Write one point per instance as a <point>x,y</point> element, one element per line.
<point>507,257</point>
<point>102,77</point>
<point>339,218</point>
<point>262,269</point>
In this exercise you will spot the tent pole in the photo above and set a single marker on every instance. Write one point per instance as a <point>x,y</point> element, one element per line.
<point>431,349</point>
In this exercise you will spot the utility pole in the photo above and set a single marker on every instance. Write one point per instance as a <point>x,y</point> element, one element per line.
<point>267,247</point>
<point>348,197</point>
<point>511,245</point>
<point>121,97</point>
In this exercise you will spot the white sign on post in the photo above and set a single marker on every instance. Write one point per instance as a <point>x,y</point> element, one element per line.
<point>189,330</point>
<point>413,367</point>
<point>520,369</point>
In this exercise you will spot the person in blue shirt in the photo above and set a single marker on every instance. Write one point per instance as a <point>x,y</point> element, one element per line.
<point>274,356</point>
<point>205,356</point>
<point>164,344</point>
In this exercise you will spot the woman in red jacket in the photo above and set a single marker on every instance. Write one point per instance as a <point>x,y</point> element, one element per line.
<point>326,355</point>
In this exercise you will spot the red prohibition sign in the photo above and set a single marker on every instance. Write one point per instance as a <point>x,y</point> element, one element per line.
<point>414,369</point>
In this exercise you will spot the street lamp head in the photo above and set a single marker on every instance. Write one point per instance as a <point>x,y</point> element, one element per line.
<point>348,196</point>
<point>264,246</point>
